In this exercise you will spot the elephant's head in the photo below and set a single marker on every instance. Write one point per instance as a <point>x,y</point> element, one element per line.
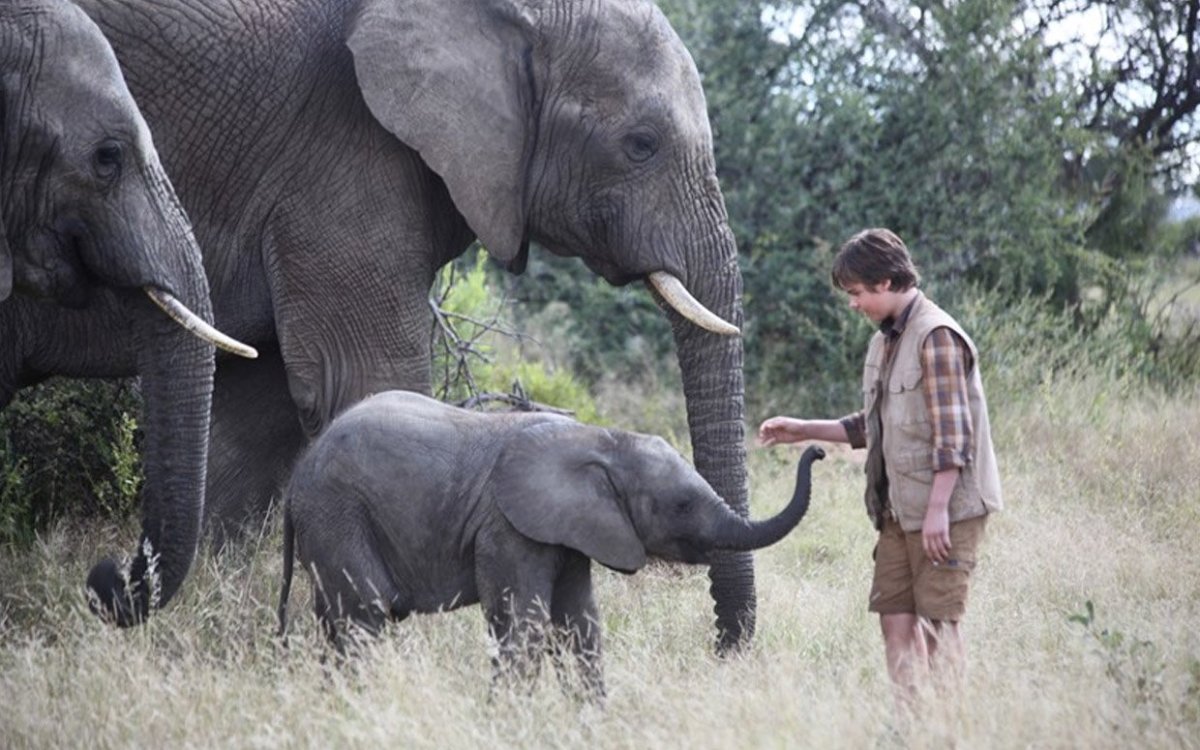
<point>88,220</point>
<point>619,497</point>
<point>583,126</point>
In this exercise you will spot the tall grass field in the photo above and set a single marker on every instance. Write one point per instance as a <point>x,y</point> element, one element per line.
<point>1083,627</point>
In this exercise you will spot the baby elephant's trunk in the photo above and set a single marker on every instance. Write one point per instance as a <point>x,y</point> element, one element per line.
<point>752,535</point>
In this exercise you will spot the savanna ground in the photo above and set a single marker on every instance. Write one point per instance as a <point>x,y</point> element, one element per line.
<point>1102,507</point>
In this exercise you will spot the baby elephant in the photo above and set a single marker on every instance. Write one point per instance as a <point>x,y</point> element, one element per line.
<point>405,504</point>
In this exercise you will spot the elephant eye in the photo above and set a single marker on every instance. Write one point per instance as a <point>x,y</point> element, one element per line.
<point>107,160</point>
<point>640,145</point>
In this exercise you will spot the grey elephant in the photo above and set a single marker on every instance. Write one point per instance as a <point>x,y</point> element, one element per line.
<point>93,242</point>
<point>405,504</point>
<point>333,154</point>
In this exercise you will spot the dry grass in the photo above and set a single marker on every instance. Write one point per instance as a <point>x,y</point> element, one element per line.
<point>1102,507</point>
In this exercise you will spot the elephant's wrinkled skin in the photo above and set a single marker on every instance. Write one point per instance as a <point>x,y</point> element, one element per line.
<point>333,154</point>
<point>405,504</point>
<point>89,222</point>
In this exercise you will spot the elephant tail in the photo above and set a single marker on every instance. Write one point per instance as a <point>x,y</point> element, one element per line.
<point>289,549</point>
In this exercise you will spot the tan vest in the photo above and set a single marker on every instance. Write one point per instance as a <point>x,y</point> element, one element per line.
<point>908,434</point>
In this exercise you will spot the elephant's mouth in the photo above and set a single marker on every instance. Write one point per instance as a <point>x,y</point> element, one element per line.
<point>690,553</point>
<point>196,325</point>
<point>53,267</point>
<point>610,272</point>
<point>65,276</point>
<point>681,300</point>
<point>672,291</point>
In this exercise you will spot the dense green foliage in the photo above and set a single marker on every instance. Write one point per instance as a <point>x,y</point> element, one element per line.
<point>67,445</point>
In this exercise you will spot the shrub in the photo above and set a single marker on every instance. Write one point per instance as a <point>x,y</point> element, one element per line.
<point>476,350</point>
<point>68,446</point>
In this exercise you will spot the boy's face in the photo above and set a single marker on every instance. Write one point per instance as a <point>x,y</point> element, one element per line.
<point>876,302</point>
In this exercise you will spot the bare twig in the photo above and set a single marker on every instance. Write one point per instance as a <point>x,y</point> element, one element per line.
<point>461,351</point>
<point>517,400</point>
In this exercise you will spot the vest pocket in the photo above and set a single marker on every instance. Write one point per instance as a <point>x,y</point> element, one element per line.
<point>906,406</point>
<point>907,379</point>
<point>917,467</point>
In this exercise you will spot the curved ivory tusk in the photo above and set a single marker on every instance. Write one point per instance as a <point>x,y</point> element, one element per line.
<point>192,322</point>
<point>678,297</point>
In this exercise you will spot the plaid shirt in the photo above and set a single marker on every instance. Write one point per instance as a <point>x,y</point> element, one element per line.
<point>945,362</point>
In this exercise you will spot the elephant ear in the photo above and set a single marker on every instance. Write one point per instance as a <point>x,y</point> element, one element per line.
<point>552,484</point>
<point>6,255</point>
<point>6,262</point>
<point>447,77</point>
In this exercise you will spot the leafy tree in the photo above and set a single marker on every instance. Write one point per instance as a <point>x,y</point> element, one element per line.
<point>962,126</point>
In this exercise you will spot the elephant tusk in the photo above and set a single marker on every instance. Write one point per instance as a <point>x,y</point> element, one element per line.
<point>678,297</point>
<point>192,322</point>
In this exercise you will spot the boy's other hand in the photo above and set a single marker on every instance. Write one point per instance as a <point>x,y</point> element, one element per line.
<point>935,535</point>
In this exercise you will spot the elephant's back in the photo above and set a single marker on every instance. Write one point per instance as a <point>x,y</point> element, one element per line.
<point>412,418</point>
<point>410,415</point>
<point>397,427</point>
<point>402,439</point>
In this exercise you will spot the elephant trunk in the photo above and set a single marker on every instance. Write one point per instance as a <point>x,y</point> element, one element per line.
<point>176,370</point>
<point>751,535</point>
<point>711,367</point>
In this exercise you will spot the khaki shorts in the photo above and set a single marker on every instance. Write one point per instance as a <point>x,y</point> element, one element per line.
<point>906,582</point>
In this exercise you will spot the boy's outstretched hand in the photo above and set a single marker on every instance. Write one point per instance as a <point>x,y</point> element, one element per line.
<point>778,430</point>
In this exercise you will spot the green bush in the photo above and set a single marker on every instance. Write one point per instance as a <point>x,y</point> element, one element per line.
<point>68,446</point>
<point>1142,342</point>
<point>477,350</point>
<point>540,384</point>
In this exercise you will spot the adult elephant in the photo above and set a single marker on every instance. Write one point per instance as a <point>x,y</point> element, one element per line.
<point>334,154</point>
<point>88,221</point>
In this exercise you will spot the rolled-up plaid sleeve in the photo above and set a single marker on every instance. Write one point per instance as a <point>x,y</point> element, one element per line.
<point>856,428</point>
<point>945,362</point>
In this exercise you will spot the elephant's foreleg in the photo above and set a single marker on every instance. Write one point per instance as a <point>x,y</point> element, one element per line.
<point>515,577</point>
<point>576,622</point>
<point>519,624</point>
<point>255,438</point>
<point>351,298</point>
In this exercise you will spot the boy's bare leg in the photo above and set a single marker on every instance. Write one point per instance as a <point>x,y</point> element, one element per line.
<point>906,650</point>
<point>947,650</point>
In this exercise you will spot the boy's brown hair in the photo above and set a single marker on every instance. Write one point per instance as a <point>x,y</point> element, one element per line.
<point>870,257</point>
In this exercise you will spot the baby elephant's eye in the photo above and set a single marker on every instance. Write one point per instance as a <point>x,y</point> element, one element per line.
<point>683,507</point>
<point>108,160</point>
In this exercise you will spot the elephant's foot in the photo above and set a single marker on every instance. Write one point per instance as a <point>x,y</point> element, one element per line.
<point>255,438</point>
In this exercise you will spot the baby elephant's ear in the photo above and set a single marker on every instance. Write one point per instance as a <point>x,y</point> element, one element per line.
<point>552,485</point>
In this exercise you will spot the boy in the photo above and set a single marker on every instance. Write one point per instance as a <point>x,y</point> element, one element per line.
<point>931,472</point>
